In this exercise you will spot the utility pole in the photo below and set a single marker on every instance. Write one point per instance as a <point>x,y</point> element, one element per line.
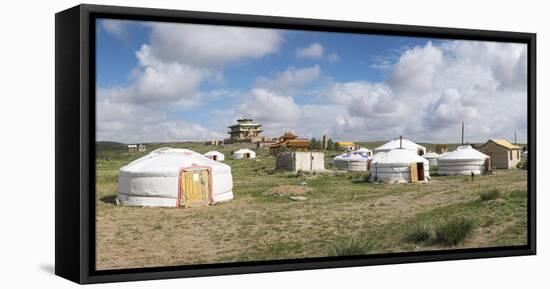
<point>462,133</point>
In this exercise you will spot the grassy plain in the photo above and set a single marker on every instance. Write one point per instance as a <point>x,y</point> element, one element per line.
<point>342,213</point>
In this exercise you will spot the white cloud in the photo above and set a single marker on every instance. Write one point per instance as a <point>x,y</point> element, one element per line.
<point>428,92</point>
<point>270,108</point>
<point>209,45</point>
<point>415,69</point>
<point>431,89</point>
<point>116,28</point>
<point>133,122</point>
<point>314,50</point>
<point>171,68</point>
<point>290,80</point>
<point>333,57</point>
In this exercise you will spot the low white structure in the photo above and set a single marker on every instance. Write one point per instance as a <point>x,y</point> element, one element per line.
<point>364,151</point>
<point>432,158</point>
<point>300,161</point>
<point>132,148</point>
<point>404,143</point>
<point>465,160</point>
<point>244,154</point>
<point>169,177</point>
<point>215,155</point>
<point>352,161</point>
<point>400,166</point>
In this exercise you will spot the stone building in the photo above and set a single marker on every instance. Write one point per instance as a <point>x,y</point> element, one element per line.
<point>300,161</point>
<point>504,155</point>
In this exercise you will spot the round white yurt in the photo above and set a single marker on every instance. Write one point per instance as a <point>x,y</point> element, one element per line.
<point>364,151</point>
<point>432,158</point>
<point>401,143</point>
<point>169,177</point>
<point>244,154</point>
<point>400,166</point>
<point>215,155</point>
<point>462,161</point>
<point>352,161</point>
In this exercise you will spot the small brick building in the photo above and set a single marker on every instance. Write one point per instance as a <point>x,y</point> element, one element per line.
<point>504,155</point>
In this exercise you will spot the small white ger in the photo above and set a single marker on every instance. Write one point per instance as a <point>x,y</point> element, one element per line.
<point>170,177</point>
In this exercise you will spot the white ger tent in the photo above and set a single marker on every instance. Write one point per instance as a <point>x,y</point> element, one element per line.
<point>463,161</point>
<point>215,155</point>
<point>352,161</point>
<point>404,143</point>
<point>400,166</point>
<point>432,158</point>
<point>244,154</point>
<point>364,151</point>
<point>169,177</point>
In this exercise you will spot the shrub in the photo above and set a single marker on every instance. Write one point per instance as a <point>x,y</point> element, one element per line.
<point>489,195</point>
<point>350,247</point>
<point>452,231</point>
<point>419,234</point>
<point>525,165</point>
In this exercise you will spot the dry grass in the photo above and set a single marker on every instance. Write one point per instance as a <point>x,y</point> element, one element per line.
<point>257,226</point>
<point>288,190</point>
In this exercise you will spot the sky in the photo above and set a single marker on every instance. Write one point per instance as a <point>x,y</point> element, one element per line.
<point>164,82</point>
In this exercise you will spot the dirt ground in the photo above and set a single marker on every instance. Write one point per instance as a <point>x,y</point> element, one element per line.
<point>260,225</point>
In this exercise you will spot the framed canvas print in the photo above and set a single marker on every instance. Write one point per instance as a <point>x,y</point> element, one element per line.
<point>196,144</point>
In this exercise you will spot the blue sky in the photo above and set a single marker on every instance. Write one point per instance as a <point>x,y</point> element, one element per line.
<point>166,82</point>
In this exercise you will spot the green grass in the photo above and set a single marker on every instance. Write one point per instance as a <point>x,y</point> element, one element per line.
<point>350,247</point>
<point>489,195</point>
<point>341,214</point>
<point>453,231</point>
<point>419,233</point>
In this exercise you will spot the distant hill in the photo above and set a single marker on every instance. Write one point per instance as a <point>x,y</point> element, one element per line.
<point>101,145</point>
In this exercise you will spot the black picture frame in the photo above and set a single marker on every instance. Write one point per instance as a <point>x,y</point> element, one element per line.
<point>75,142</point>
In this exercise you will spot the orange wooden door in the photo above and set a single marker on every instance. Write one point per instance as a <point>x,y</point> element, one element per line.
<point>195,188</point>
<point>414,173</point>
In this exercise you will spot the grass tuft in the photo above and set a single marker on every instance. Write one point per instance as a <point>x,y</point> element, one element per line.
<point>350,247</point>
<point>489,195</point>
<point>453,231</point>
<point>419,234</point>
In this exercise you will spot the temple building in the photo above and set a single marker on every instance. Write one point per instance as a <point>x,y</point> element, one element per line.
<point>289,142</point>
<point>245,131</point>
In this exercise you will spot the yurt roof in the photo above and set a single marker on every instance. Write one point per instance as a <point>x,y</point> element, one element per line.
<point>431,155</point>
<point>395,144</point>
<point>168,162</point>
<point>363,150</point>
<point>352,156</point>
<point>243,151</point>
<point>400,156</point>
<point>465,152</point>
<point>377,156</point>
<point>213,153</point>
